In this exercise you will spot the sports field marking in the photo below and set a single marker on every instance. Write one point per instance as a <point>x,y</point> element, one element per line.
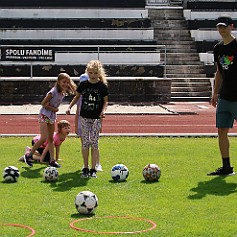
<point>21,226</point>
<point>153,225</point>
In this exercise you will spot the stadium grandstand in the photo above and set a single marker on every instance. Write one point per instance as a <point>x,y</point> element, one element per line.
<point>154,51</point>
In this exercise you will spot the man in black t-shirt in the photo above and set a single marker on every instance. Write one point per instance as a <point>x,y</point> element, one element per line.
<point>225,90</point>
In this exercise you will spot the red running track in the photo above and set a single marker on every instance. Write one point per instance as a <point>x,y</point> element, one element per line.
<point>190,118</point>
<point>201,123</point>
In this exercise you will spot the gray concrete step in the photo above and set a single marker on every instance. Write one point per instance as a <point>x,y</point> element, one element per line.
<point>172,42</point>
<point>191,80</point>
<point>183,65</point>
<point>185,75</point>
<point>185,68</point>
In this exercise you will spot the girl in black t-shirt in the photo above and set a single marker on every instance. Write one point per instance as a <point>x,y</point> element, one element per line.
<point>94,94</point>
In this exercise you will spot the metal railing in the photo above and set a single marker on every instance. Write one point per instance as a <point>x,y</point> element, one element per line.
<point>107,54</point>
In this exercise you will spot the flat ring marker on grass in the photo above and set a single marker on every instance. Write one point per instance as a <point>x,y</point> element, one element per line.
<point>153,225</point>
<point>21,226</point>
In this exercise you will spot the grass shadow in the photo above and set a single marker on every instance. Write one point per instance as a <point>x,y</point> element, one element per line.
<point>149,182</point>
<point>117,182</point>
<point>81,216</point>
<point>216,186</point>
<point>68,181</point>
<point>32,173</point>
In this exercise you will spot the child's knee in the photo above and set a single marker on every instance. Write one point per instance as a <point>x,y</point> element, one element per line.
<point>86,144</point>
<point>94,145</point>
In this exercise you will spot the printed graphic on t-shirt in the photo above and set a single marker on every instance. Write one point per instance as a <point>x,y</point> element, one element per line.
<point>92,100</point>
<point>226,61</point>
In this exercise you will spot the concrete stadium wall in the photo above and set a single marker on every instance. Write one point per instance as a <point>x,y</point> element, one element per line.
<point>119,34</point>
<point>121,90</point>
<point>40,13</point>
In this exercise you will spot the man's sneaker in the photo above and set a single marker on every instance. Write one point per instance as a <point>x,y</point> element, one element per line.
<point>222,171</point>
<point>55,164</point>
<point>27,159</point>
<point>93,173</point>
<point>98,167</point>
<point>85,173</point>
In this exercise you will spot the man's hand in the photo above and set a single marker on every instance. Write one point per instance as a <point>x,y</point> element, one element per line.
<point>214,100</point>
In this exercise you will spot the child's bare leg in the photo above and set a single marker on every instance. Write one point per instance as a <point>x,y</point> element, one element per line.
<point>43,137</point>
<point>50,140</point>
<point>85,155</point>
<point>94,155</point>
<point>36,157</point>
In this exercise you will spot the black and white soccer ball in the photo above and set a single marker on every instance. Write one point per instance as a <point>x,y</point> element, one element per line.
<point>86,202</point>
<point>11,174</point>
<point>119,172</point>
<point>50,174</point>
<point>151,172</point>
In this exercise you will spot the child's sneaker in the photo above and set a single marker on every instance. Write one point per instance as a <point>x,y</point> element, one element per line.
<point>85,173</point>
<point>93,173</point>
<point>84,167</point>
<point>222,171</point>
<point>98,167</point>
<point>27,159</point>
<point>27,149</point>
<point>55,164</point>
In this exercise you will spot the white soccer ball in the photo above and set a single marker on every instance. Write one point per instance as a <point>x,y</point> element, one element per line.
<point>50,174</point>
<point>11,174</point>
<point>86,202</point>
<point>151,172</point>
<point>119,172</point>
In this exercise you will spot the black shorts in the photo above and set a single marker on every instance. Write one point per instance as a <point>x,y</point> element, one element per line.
<point>40,150</point>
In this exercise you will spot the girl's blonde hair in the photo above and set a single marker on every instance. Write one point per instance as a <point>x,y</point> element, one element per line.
<point>62,124</point>
<point>96,64</point>
<point>72,86</point>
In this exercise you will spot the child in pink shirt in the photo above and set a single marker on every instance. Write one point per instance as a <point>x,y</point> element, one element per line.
<point>42,153</point>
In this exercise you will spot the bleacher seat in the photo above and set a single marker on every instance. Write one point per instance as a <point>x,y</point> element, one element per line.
<point>74,3</point>
<point>201,20</point>
<point>56,27</point>
<point>118,32</point>
<point>211,5</point>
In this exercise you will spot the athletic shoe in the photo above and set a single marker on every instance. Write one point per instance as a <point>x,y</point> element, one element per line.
<point>84,167</point>
<point>55,164</point>
<point>222,171</point>
<point>93,173</point>
<point>27,159</point>
<point>98,167</point>
<point>27,150</point>
<point>85,173</point>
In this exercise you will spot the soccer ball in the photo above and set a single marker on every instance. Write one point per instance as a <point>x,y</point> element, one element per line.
<point>119,172</point>
<point>151,172</point>
<point>11,174</point>
<point>86,202</point>
<point>50,174</point>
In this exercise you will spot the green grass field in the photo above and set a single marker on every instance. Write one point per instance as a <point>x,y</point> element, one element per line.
<point>184,202</point>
